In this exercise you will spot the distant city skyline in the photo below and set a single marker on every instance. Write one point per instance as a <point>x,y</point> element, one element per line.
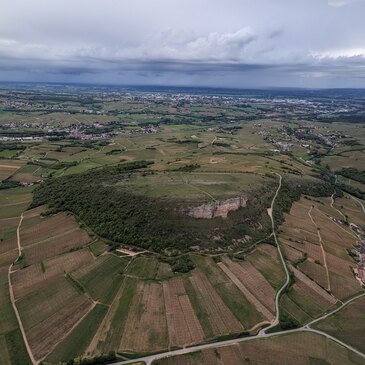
<point>231,43</point>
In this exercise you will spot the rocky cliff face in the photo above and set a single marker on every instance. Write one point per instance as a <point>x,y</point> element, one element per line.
<point>217,208</point>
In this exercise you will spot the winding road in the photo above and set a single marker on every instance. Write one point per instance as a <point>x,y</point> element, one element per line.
<point>279,292</point>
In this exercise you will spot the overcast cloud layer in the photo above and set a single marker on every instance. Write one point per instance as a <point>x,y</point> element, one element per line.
<point>229,43</point>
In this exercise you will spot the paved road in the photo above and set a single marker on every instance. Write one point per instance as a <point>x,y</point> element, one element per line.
<point>278,294</point>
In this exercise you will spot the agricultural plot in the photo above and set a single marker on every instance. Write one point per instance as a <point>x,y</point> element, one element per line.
<point>183,325</point>
<point>266,260</point>
<point>242,308</point>
<point>98,247</point>
<point>102,277</point>
<point>308,299</point>
<point>254,281</point>
<point>143,268</point>
<point>8,168</point>
<point>41,274</point>
<point>296,348</point>
<point>14,201</point>
<point>323,263</point>
<point>109,334</point>
<point>350,208</point>
<point>314,271</point>
<point>76,342</point>
<point>214,316</point>
<point>50,312</point>
<point>42,250</point>
<point>26,174</point>
<point>145,327</point>
<point>47,228</point>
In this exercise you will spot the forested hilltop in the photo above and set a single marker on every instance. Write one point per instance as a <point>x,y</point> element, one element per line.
<point>98,199</point>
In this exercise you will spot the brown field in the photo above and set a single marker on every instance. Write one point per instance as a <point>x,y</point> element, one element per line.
<point>220,318</point>
<point>313,250</point>
<point>7,245</point>
<point>291,253</point>
<point>183,325</point>
<point>56,245</point>
<point>47,228</point>
<point>8,257</point>
<point>336,239</point>
<point>26,174</point>
<point>6,223</point>
<point>8,168</point>
<point>344,287</point>
<point>254,281</point>
<point>33,277</point>
<point>49,313</point>
<point>313,286</point>
<point>146,327</point>
<point>243,309</point>
<point>316,272</point>
<point>297,224</point>
<point>253,300</point>
<point>265,259</point>
<point>308,299</point>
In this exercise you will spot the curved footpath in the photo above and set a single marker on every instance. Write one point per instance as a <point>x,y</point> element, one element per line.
<point>148,360</point>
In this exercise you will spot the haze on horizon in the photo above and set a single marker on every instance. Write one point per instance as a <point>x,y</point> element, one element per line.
<point>231,43</point>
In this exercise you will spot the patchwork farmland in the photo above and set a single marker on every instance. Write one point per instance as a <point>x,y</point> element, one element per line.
<point>150,223</point>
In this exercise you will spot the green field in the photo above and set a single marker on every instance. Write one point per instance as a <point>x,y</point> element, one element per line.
<point>102,278</point>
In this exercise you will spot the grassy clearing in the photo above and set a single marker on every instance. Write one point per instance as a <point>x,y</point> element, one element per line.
<point>143,268</point>
<point>191,186</point>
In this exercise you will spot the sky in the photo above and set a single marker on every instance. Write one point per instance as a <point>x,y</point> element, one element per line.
<point>217,43</point>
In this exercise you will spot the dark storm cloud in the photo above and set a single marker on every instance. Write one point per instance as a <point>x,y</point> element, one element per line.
<point>232,43</point>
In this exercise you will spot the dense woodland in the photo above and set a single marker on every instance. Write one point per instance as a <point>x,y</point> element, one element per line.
<point>118,215</point>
